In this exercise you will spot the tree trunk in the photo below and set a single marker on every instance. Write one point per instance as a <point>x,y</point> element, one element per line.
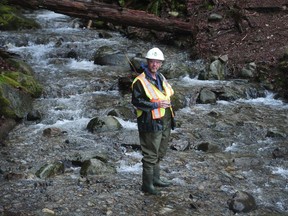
<point>110,13</point>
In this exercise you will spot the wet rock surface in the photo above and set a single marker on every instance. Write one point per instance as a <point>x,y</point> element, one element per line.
<point>216,151</point>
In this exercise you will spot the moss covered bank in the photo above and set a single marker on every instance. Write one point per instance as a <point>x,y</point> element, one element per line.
<point>18,86</point>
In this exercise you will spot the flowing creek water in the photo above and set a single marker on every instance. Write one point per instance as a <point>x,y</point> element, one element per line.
<point>239,155</point>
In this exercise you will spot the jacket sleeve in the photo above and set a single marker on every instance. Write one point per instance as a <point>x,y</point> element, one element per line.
<point>139,98</point>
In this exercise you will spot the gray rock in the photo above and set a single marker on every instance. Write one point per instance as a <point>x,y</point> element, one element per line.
<point>107,56</point>
<point>242,202</point>
<point>103,123</point>
<point>122,112</point>
<point>216,71</point>
<point>248,71</point>
<point>20,102</point>
<point>34,115</point>
<point>172,70</point>
<point>6,125</point>
<point>96,167</point>
<point>275,134</point>
<point>206,96</point>
<point>215,17</point>
<point>52,132</point>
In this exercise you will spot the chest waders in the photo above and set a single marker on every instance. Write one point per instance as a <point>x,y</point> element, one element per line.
<point>154,144</point>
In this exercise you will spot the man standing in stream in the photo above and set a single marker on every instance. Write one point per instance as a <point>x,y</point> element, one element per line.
<point>155,118</point>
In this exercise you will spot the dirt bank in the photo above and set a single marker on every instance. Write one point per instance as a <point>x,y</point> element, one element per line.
<point>247,32</point>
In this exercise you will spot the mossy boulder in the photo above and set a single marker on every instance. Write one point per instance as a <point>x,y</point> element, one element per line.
<point>17,91</point>
<point>18,87</point>
<point>50,170</point>
<point>14,103</point>
<point>12,19</point>
<point>24,82</point>
<point>21,65</point>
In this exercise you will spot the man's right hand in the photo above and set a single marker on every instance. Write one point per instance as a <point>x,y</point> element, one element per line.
<point>164,104</point>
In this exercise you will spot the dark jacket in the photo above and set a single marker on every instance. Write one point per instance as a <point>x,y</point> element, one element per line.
<point>139,99</point>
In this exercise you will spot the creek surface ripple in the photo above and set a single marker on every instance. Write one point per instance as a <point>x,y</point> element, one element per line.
<point>218,150</point>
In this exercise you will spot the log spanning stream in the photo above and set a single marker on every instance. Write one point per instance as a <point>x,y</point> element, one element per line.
<point>219,149</point>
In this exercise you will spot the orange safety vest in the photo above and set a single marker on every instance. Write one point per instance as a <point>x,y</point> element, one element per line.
<point>155,95</point>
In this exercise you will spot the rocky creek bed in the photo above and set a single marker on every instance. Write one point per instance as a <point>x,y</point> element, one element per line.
<point>225,156</point>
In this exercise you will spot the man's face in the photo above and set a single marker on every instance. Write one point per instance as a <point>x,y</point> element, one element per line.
<point>154,65</point>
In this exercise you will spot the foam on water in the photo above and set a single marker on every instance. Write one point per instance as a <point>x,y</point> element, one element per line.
<point>280,171</point>
<point>135,166</point>
<point>187,110</point>
<point>68,125</point>
<point>194,81</point>
<point>233,148</point>
<point>37,52</point>
<point>48,15</point>
<point>267,100</point>
<point>83,64</point>
<point>222,102</point>
<point>280,206</point>
<point>127,124</point>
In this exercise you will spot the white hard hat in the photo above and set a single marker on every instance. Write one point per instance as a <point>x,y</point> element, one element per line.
<point>155,53</point>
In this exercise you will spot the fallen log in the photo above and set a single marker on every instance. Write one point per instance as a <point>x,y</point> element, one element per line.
<point>110,13</point>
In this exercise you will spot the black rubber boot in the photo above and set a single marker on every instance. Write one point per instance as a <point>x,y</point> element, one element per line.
<point>147,177</point>
<point>156,177</point>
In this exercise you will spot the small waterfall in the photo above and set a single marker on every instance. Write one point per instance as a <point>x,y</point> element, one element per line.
<point>267,99</point>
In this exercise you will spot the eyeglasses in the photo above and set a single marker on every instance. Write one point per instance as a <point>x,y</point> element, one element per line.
<point>152,61</point>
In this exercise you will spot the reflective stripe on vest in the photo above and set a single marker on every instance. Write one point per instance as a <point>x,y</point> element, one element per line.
<point>167,87</point>
<point>155,95</point>
<point>156,113</point>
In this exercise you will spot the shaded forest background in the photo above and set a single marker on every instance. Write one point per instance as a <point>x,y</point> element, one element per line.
<point>245,31</point>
